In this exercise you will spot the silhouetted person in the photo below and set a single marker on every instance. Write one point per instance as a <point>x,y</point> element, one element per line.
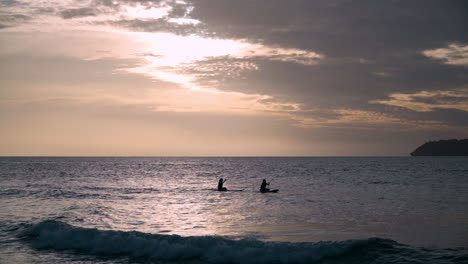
<point>263,187</point>
<point>220,185</point>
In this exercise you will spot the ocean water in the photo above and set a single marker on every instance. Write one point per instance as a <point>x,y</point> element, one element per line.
<point>166,210</point>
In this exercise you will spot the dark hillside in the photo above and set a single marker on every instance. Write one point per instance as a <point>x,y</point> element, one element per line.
<point>452,147</point>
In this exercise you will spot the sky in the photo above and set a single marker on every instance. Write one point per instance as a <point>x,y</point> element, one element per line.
<point>231,78</point>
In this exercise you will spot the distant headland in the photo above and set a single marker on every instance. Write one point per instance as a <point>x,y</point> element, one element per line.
<point>452,147</point>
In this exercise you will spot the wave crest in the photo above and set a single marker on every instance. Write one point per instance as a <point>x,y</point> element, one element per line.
<point>57,235</point>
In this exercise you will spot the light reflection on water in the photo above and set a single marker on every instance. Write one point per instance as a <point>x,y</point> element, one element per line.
<point>414,201</point>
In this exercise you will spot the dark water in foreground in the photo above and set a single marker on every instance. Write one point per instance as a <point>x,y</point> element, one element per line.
<point>164,210</point>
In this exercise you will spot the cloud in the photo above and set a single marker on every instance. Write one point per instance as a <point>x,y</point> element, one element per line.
<point>339,28</point>
<point>77,12</point>
<point>360,120</point>
<point>454,54</point>
<point>157,25</point>
<point>197,62</point>
<point>316,66</point>
<point>9,3</point>
<point>150,10</point>
<point>280,54</point>
<point>12,20</point>
<point>427,101</point>
<point>382,121</point>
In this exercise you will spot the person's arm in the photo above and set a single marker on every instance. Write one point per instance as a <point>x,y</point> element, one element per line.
<point>224,180</point>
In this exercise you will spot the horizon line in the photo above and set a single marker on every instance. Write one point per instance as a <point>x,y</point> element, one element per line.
<point>200,156</point>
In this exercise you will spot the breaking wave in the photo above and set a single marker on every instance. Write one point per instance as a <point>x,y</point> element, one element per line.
<point>58,235</point>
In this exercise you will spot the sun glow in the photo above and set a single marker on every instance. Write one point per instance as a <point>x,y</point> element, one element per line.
<point>184,21</point>
<point>176,58</point>
<point>173,50</point>
<point>183,60</point>
<point>170,57</point>
<point>194,63</point>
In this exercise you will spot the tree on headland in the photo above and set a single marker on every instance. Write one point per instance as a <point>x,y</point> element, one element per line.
<point>452,147</point>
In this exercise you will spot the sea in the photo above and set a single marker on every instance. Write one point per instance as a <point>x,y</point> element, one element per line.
<point>168,210</point>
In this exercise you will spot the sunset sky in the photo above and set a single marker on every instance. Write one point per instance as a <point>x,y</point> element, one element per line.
<point>231,77</point>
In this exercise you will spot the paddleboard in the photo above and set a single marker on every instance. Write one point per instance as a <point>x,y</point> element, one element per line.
<point>271,191</point>
<point>228,190</point>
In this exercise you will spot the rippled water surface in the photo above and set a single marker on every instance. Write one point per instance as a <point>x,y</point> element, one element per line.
<point>68,209</point>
